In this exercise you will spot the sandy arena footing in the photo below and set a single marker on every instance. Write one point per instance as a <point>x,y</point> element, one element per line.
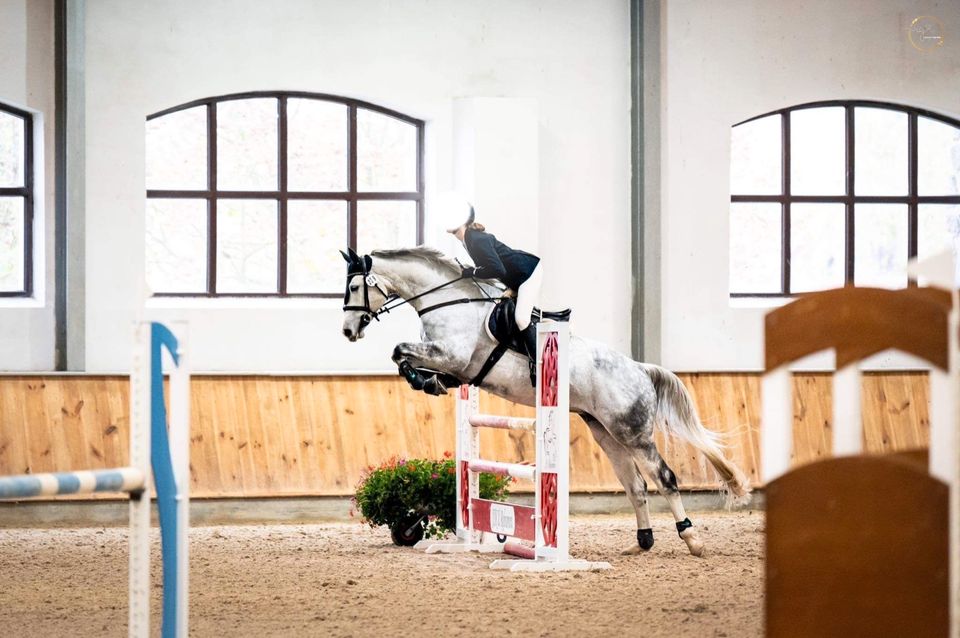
<point>349,580</point>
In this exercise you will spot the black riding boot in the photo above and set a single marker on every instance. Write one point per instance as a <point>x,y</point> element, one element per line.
<point>530,343</point>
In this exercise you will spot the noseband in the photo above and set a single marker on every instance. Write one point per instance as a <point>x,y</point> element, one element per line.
<point>369,280</point>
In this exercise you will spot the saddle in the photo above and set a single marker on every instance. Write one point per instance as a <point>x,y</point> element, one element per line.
<point>503,327</point>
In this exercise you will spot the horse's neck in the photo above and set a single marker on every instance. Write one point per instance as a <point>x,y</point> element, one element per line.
<point>410,278</point>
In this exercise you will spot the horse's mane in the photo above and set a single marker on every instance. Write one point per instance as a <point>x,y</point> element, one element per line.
<point>425,253</point>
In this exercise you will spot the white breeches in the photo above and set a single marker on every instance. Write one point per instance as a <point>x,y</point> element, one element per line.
<point>528,296</point>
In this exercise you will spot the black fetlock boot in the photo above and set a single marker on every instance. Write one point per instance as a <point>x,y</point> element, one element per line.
<point>412,375</point>
<point>530,343</point>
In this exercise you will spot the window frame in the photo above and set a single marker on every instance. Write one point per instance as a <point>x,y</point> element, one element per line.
<point>912,199</point>
<point>26,192</point>
<point>282,195</point>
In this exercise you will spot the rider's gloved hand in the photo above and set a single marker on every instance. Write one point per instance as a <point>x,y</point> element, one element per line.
<point>468,271</point>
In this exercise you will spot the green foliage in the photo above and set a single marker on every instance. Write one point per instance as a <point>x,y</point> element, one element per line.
<point>400,489</point>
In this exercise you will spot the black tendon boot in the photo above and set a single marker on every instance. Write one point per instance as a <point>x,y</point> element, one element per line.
<point>412,375</point>
<point>530,343</point>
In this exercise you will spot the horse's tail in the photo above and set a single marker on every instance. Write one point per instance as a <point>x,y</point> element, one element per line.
<point>676,415</point>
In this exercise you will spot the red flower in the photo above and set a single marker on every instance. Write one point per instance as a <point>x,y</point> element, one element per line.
<point>447,454</point>
<point>434,475</point>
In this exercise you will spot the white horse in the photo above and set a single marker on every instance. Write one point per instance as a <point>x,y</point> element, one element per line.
<point>621,400</point>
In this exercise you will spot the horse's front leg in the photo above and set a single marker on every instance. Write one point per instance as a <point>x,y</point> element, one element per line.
<point>426,366</point>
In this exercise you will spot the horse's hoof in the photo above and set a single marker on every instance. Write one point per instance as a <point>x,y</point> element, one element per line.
<point>434,387</point>
<point>694,544</point>
<point>633,550</point>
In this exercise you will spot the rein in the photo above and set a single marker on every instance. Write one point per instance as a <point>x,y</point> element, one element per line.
<point>395,301</point>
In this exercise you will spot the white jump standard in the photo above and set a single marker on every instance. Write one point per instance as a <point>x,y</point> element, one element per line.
<point>150,447</point>
<point>546,524</point>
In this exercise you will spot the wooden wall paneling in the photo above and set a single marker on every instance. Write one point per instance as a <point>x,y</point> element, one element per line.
<point>299,412</point>
<point>48,444</point>
<point>896,411</point>
<point>590,470</point>
<point>812,415</point>
<point>321,410</point>
<point>203,453</point>
<point>16,401</point>
<point>727,404</point>
<point>274,436</point>
<point>44,448</point>
<point>743,428</point>
<point>233,432</point>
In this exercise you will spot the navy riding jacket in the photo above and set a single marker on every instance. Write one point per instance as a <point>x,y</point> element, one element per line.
<point>496,260</point>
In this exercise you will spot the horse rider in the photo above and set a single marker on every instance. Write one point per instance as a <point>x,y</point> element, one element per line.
<point>519,271</point>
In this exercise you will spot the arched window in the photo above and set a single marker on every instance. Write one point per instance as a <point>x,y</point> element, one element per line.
<point>845,192</point>
<point>16,202</point>
<point>254,194</point>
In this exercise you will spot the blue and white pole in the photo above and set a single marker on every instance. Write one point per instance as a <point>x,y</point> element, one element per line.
<point>151,447</point>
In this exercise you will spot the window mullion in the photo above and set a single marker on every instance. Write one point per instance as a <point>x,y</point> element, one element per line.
<point>912,187</point>
<point>212,199</point>
<point>28,200</point>
<point>282,176</point>
<point>421,187</point>
<point>785,208</point>
<point>352,176</point>
<point>850,225</point>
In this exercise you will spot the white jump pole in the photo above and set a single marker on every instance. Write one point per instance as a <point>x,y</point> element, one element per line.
<point>139,567</point>
<point>180,452</point>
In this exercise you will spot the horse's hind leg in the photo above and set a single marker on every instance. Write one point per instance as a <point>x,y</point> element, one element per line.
<point>648,457</point>
<point>626,470</point>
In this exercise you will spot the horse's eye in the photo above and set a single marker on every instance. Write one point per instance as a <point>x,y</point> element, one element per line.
<point>354,288</point>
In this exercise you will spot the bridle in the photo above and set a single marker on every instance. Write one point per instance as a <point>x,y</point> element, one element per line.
<point>362,266</point>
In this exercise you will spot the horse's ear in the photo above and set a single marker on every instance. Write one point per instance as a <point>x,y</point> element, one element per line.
<point>354,257</point>
<point>346,257</point>
<point>368,262</point>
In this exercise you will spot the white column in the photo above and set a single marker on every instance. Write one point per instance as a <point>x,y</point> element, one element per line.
<point>776,425</point>
<point>76,185</point>
<point>847,417</point>
<point>497,166</point>
<point>943,424</point>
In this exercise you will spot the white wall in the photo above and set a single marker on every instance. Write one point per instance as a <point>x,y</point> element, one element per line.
<point>26,81</point>
<point>569,57</point>
<point>723,62</point>
<point>496,166</point>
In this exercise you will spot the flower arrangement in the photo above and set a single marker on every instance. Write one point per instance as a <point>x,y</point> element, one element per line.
<point>417,497</point>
